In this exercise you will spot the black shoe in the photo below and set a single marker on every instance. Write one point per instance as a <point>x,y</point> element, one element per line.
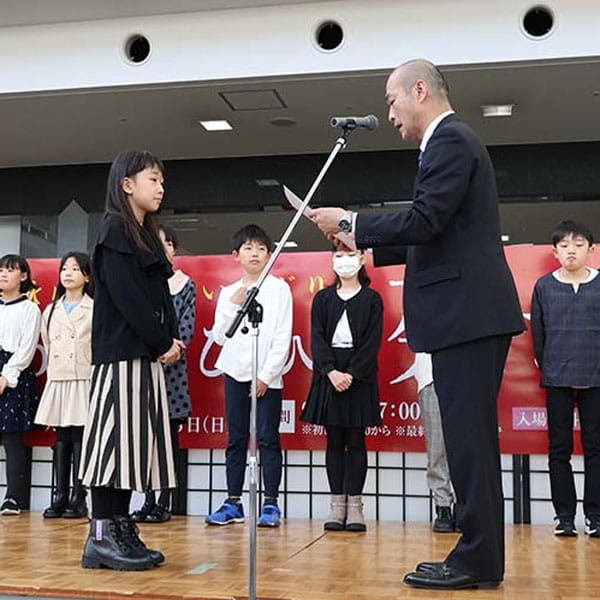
<point>425,566</point>
<point>57,507</point>
<point>565,527</point>
<point>10,507</point>
<point>159,514</point>
<point>77,508</point>
<point>130,533</point>
<point>447,578</point>
<point>140,516</point>
<point>106,547</point>
<point>592,527</point>
<point>444,521</point>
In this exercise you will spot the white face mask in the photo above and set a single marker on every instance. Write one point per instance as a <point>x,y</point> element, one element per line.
<point>346,266</point>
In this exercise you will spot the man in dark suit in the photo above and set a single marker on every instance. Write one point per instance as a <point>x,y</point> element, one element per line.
<point>460,305</point>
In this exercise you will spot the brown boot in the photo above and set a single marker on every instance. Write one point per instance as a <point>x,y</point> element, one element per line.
<point>336,520</point>
<point>355,520</point>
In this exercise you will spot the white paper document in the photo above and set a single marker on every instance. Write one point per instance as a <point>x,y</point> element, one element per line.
<point>296,203</point>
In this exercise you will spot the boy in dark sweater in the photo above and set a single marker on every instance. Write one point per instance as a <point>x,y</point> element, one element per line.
<point>565,324</point>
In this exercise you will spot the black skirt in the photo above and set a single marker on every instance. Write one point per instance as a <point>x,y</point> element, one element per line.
<point>18,405</point>
<point>358,406</point>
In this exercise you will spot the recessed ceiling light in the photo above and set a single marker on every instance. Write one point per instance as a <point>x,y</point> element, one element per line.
<point>216,125</point>
<point>497,110</point>
<point>505,238</point>
<point>288,244</point>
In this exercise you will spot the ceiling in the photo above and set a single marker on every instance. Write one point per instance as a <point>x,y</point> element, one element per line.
<point>36,12</point>
<point>93,125</point>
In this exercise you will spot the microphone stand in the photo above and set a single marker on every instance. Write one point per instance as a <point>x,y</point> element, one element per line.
<point>254,311</point>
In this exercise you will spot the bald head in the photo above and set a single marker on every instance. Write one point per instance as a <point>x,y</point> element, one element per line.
<point>408,73</point>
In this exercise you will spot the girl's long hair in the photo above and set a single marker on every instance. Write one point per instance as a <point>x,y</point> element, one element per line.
<point>14,261</point>
<point>127,165</point>
<point>85,265</point>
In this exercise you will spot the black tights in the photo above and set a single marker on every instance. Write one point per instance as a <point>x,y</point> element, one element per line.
<point>109,501</point>
<point>346,459</point>
<point>16,465</point>
<point>69,434</point>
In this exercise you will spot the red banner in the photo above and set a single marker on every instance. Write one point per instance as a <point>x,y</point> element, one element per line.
<point>521,406</point>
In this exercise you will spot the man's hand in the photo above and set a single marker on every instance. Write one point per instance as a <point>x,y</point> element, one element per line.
<point>340,381</point>
<point>327,219</point>
<point>239,296</point>
<point>3,384</point>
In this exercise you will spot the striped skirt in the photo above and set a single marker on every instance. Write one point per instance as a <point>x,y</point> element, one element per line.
<point>126,439</point>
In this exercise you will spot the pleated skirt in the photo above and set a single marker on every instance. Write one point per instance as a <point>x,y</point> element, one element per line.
<point>358,406</point>
<point>64,403</point>
<point>126,439</point>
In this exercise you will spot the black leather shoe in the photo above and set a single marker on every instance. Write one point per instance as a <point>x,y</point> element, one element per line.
<point>447,578</point>
<point>425,566</point>
<point>130,534</point>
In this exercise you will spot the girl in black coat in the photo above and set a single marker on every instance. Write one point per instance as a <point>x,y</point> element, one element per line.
<point>346,329</point>
<point>127,441</point>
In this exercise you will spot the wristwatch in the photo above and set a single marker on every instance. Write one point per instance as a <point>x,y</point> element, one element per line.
<point>345,223</point>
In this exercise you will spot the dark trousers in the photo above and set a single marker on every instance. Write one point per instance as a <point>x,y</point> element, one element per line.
<point>237,408</point>
<point>560,403</point>
<point>467,379</point>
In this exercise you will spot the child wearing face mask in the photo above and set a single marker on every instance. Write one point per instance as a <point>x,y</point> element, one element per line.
<point>346,329</point>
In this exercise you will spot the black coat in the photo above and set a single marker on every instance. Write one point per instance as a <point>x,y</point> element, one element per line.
<point>458,286</point>
<point>133,312</point>
<point>365,317</point>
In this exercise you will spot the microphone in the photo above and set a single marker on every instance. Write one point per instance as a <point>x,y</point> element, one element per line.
<point>370,122</point>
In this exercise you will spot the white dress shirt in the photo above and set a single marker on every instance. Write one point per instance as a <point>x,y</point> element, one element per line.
<point>20,322</point>
<point>274,338</point>
<point>423,370</point>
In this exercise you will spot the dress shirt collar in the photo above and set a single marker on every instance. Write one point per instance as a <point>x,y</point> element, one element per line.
<point>431,128</point>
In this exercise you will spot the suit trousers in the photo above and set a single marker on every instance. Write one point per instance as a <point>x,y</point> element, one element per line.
<point>438,472</point>
<point>237,408</point>
<point>467,379</point>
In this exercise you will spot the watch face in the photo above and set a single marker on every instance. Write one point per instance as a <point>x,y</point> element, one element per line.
<point>344,225</point>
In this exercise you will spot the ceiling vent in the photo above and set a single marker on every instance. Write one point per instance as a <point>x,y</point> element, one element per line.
<point>253,100</point>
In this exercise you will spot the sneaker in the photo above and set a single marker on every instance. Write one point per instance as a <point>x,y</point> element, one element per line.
<point>565,527</point>
<point>226,513</point>
<point>270,516</point>
<point>10,507</point>
<point>444,521</point>
<point>592,527</point>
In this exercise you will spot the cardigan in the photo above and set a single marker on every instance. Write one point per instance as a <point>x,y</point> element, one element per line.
<point>133,312</point>
<point>566,332</point>
<point>365,316</point>
<point>68,340</point>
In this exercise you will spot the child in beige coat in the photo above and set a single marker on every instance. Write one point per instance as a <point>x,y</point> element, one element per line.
<point>66,333</point>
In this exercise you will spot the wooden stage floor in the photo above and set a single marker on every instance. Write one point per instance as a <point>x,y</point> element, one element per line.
<point>298,561</point>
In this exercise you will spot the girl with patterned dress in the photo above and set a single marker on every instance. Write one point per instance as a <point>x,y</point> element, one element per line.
<point>126,438</point>
<point>19,334</point>
<point>183,293</point>
<point>67,337</point>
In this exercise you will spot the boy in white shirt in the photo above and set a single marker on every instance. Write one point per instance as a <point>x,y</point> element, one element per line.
<point>252,249</point>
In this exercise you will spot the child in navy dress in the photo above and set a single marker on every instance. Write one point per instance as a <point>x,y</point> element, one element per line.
<point>19,334</point>
<point>183,294</point>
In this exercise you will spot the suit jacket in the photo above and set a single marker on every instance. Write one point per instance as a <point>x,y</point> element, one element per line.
<point>458,286</point>
<point>68,340</point>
